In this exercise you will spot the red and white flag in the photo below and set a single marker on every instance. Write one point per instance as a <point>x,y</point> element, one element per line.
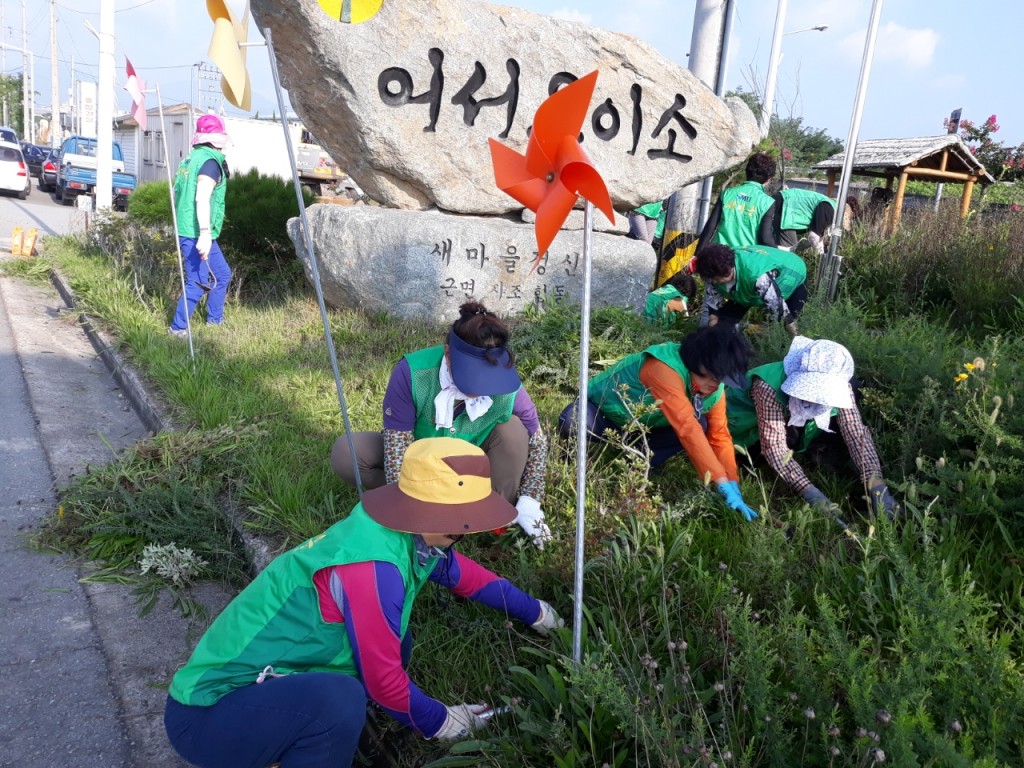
<point>137,90</point>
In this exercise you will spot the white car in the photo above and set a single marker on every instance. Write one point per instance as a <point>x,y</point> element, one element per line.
<point>13,170</point>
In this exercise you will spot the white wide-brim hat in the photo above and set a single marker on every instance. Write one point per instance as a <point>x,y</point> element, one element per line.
<point>819,371</point>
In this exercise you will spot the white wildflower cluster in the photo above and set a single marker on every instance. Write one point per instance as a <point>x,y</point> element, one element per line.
<point>178,565</point>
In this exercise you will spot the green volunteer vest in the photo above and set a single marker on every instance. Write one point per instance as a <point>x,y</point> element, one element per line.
<point>656,306</point>
<point>425,366</point>
<point>754,261</point>
<point>798,207</point>
<point>185,192</point>
<point>743,416</point>
<point>276,620</point>
<point>742,209</point>
<point>611,390</point>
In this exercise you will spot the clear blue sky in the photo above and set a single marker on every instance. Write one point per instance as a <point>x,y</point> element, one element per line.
<point>931,56</point>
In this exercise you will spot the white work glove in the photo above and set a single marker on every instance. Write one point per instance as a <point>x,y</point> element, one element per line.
<point>531,520</point>
<point>548,622</point>
<point>461,721</point>
<point>204,243</point>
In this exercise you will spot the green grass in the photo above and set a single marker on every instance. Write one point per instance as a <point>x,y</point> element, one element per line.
<point>707,639</point>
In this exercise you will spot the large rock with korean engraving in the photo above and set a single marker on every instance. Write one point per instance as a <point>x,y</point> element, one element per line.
<point>406,101</point>
<point>424,264</point>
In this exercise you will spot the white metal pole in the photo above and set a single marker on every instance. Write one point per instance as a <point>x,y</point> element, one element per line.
<point>314,267</point>
<point>105,110</point>
<point>830,265</point>
<point>54,75</point>
<point>581,437</point>
<point>24,72</point>
<point>768,102</point>
<point>174,220</point>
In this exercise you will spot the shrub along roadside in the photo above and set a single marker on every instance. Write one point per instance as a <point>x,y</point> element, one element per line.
<point>705,635</point>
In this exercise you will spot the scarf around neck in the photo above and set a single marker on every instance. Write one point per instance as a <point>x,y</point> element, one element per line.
<point>444,403</point>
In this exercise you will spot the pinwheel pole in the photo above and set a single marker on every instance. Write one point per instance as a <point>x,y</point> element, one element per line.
<point>549,180</point>
<point>581,437</point>
<point>174,220</point>
<point>311,255</point>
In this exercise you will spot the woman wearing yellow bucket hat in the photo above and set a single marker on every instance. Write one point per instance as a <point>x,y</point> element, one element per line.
<point>283,674</point>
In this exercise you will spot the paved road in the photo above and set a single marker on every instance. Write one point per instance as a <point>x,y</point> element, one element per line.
<point>82,672</point>
<point>39,210</point>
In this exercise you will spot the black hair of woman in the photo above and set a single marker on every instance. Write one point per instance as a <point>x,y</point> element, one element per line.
<point>715,262</point>
<point>760,167</point>
<point>717,351</point>
<point>481,328</point>
<point>685,284</point>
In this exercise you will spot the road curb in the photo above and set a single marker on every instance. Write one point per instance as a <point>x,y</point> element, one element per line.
<point>125,377</point>
<point>258,551</point>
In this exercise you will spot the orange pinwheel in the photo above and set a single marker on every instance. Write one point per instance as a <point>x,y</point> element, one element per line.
<point>555,170</point>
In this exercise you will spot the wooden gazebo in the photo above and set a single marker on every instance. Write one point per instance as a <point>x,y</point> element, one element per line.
<point>943,159</point>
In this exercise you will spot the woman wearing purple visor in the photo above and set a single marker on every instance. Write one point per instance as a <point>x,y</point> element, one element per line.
<point>468,388</point>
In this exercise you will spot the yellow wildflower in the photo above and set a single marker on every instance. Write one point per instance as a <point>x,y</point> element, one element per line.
<point>960,377</point>
<point>969,366</point>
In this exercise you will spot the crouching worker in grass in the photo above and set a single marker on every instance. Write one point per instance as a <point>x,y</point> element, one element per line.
<point>671,300</point>
<point>755,276</point>
<point>467,387</point>
<point>283,674</point>
<point>789,403</point>
<point>672,395</point>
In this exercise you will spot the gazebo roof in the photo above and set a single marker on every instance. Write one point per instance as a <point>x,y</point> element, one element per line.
<point>891,156</point>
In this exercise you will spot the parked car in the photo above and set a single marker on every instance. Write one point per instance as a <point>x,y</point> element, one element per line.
<point>9,134</point>
<point>76,172</point>
<point>34,155</point>
<point>13,171</point>
<point>48,171</point>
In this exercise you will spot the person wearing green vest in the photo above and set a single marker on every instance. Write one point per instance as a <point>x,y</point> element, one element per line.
<point>801,210</point>
<point>670,399</point>
<point>199,191</point>
<point>754,276</point>
<point>737,219</point>
<point>787,404</point>
<point>665,304</point>
<point>647,222</point>
<point>284,673</point>
<point>467,387</point>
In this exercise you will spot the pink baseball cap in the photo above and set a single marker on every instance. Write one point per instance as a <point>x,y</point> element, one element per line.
<point>210,130</point>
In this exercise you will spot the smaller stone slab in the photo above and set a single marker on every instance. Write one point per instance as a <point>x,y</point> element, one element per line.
<point>424,264</point>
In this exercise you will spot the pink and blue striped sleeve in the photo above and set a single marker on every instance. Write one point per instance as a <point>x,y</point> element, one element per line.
<point>467,578</point>
<point>370,596</point>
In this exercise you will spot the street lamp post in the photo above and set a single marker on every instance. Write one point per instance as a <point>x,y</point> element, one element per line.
<point>768,102</point>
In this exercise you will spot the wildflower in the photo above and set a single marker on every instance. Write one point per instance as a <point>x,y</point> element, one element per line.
<point>719,687</point>
<point>969,366</point>
<point>723,567</point>
<point>833,731</point>
<point>883,717</point>
<point>874,736</point>
<point>861,733</point>
<point>727,756</point>
<point>671,646</point>
<point>955,728</point>
<point>835,752</point>
<point>940,462</point>
<point>809,713</point>
<point>877,755</point>
<point>960,377</point>
<point>792,697</point>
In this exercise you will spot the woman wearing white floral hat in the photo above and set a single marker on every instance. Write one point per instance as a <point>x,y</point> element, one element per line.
<point>788,403</point>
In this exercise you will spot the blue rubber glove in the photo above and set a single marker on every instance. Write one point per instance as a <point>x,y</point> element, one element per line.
<point>882,501</point>
<point>814,496</point>
<point>731,491</point>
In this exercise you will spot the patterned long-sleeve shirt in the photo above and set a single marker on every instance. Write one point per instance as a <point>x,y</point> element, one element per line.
<point>368,597</point>
<point>771,427</point>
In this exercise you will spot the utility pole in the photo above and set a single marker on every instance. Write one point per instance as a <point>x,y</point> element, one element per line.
<point>105,109</point>
<point>25,127</point>
<point>54,78</point>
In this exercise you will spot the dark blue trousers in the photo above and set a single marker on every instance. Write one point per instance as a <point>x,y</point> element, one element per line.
<point>303,720</point>
<point>197,275</point>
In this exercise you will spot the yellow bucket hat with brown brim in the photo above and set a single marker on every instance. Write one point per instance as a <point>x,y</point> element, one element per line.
<point>444,487</point>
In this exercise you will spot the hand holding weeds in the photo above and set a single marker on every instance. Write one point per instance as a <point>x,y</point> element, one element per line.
<point>548,621</point>
<point>531,520</point>
<point>730,490</point>
<point>461,721</point>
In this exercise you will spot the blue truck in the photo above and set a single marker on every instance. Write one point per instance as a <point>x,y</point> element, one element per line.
<point>76,172</point>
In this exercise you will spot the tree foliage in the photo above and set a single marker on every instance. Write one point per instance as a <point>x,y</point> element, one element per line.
<point>796,144</point>
<point>12,92</point>
<point>1004,163</point>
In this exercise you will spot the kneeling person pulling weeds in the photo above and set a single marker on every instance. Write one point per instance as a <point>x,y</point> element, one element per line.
<point>284,673</point>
